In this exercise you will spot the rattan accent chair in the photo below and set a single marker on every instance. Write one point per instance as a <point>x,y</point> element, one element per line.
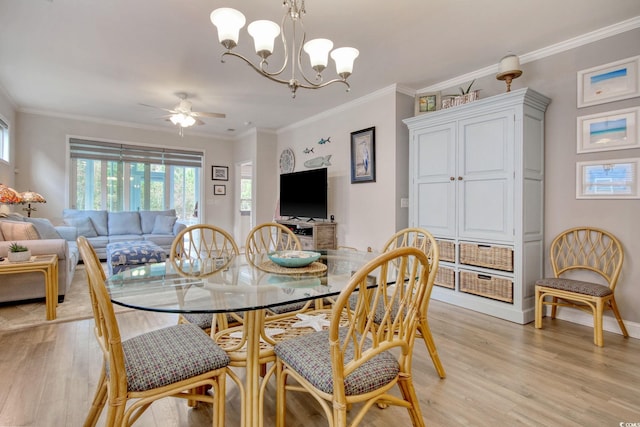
<point>213,248</point>
<point>580,250</point>
<point>423,240</point>
<point>361,360</point>
<point>170,362</point>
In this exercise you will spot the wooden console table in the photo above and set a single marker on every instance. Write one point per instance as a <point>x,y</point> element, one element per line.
<point>47,265</point>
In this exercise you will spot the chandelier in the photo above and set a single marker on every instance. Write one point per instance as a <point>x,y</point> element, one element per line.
<point>229,22</point>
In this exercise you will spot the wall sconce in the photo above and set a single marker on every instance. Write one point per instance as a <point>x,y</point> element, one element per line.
<point>509,70</point>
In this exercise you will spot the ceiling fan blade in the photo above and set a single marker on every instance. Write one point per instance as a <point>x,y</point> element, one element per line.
<point>159,108</point>
<point>199,122</point>
<point>213,115</point>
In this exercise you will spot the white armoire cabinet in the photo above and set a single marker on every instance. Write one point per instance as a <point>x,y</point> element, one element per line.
<point>476,182</point>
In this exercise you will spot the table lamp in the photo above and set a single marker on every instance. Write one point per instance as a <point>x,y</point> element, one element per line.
<point>29,197</point>
<point>8,196</point>
<point>509,70</point>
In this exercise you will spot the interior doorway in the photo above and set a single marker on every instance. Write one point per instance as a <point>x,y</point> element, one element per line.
<point>244,203</point>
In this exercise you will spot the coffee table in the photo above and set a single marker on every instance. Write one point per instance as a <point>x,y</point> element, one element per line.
<point>47,265</point>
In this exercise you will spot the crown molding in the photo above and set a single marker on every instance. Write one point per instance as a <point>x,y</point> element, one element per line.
<point>600,34</point>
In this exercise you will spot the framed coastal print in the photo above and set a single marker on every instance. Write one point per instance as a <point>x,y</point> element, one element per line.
<point>363,159</point>
<point>610,82</point>
<point>219,190</point>
<point>608,179</point>
<point>611,130</point>
<point>427,102</point>
<point>219,173</point>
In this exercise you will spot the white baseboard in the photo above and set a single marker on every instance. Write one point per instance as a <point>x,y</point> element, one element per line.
<point>610,324</point>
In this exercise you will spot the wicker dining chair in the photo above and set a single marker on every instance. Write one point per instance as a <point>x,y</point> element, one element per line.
<point>423,240</point>
<point>585,251</point>
<point>361,359</point>
<point>177,361</point>
<point>213,248</point>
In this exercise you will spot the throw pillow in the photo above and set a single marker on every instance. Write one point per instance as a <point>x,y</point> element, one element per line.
<point>15,230</point>
<point>83,224</point>
<point>124,223</point>
<point>164,225</point>
<point>148,218</point>
<point>45,229</point>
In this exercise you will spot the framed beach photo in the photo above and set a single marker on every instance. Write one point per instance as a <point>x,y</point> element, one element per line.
<point>219,190</point>
<point>219,173</point>
<point>363,159</point>
<point>608,179</point>
<point>610,82</point>
<point>611,130</point>
<point>427,102</point>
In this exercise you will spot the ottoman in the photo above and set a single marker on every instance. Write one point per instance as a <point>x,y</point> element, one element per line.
<point>125,255</point>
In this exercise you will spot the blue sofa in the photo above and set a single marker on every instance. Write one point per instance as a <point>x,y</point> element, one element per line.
<point>101,227</point>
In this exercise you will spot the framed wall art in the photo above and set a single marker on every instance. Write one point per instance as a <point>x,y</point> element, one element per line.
<point>611,130</point>
<point>363,159</point>
<point>610,82</point>
<point>427,102</point>
<point>219,173</point>
<point>608,179</point>
<point>219,190</point>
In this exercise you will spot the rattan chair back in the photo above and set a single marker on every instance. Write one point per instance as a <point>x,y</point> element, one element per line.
<point>202,249</point>
<point>269,237</point>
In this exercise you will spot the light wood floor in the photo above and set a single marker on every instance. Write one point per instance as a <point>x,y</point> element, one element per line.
<point>499,374</point>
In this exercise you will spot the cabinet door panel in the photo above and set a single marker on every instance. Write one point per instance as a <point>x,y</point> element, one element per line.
<point>434,213</point>
<point>484,210</point>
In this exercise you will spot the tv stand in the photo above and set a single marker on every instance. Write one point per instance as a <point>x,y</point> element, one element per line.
<point>312,234</point>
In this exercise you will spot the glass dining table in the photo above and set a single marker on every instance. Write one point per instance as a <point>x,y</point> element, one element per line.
<point>235,285</point>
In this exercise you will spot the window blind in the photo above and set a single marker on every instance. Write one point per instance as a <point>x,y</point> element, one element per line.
<point>97,150</point>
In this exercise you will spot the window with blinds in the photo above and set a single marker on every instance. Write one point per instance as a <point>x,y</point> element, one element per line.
<point>4,141</point>
<point>125,177</point>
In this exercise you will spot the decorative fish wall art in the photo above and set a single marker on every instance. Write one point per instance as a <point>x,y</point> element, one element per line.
<point>317,162</point>
<point>324,141</point>
<point>308,150</point>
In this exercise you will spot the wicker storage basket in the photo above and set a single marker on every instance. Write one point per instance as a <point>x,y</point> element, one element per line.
<point>447,250</point>
<point>499,288</point>
<point>446,277</point>
<point>498,257</point>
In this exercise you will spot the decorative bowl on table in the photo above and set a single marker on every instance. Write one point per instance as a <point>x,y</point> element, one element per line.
<point>294,258</point>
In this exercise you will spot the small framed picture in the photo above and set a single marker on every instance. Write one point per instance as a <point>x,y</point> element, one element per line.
<point>427,102</point>
<point>219,190</point>
<point>609,82</point>
<point>611,130</point>
<point>219,173</point>
<point>608,179</point>
<point>363,159</point>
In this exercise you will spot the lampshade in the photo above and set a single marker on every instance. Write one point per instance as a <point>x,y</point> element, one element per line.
<point>509,63</point>
<point>344,57</point>
<point>318,51</point>
<point>8,195</point>
<point>264,33</point>
<point>31,197</point>
<point>228,21</point>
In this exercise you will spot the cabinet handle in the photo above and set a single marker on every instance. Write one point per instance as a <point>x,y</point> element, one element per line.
<point>452,178</point>
<point>459,178</point>
<point>484,277</point>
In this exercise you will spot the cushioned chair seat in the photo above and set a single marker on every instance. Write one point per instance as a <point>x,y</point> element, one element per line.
<point>170,355</point>
<point>203,320</point>
<point>310,356</point>
<point>577,286</point>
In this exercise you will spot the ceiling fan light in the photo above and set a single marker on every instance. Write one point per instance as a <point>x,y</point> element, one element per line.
<point>228,21</point>
<point>187,121</point>
<point>264,33</point>
<point>344,57</point>
<point>318,51</point>
<point>175,119</point>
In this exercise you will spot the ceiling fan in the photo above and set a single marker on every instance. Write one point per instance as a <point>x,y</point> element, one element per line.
<point>182,114</point>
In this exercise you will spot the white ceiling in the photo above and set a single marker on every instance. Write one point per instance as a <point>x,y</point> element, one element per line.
<point>102,58</point>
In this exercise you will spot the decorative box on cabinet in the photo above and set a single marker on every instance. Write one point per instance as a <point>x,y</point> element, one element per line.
<point>476,179</point>
<point>313,235</point>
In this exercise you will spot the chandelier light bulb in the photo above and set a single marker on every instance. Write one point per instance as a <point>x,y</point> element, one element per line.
<point>228,21</point>
<point>318,51</point>
<point>264,33</point>
<point>344,57</point>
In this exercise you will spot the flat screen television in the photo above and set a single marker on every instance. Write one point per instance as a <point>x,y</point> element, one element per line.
<point>304,194</point>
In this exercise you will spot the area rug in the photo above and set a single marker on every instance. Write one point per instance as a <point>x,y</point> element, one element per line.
<point>76,306</point>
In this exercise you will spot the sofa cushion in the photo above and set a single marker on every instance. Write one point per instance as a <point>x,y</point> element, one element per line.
<point>164,224</point>
<point>45,229</point>
<point>124,223</point>
<point>83,224</point>
<point>98,218</point>
<point>148,218</point>
<point>16,230</point>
